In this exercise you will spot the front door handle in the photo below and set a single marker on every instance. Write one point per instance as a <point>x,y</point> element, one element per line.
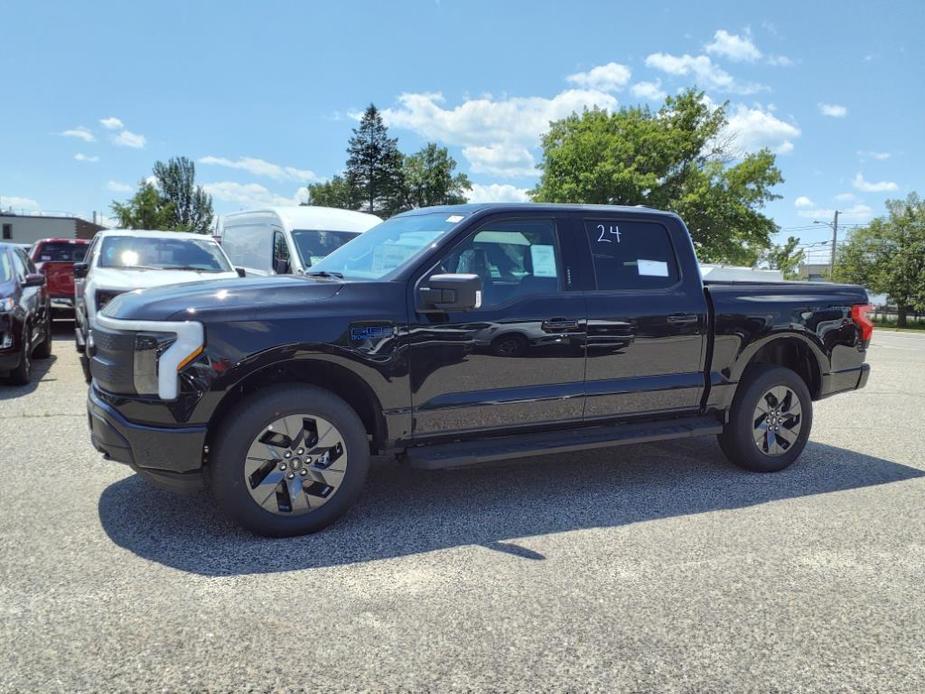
<point>683,318</point>
<point>559,325</point>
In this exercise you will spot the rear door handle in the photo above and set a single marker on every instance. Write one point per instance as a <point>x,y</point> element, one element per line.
<point>559,324</point>
<point>683,318</point>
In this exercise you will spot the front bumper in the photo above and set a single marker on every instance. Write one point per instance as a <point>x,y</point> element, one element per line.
<point>841,381</point>
<point>170,457</point>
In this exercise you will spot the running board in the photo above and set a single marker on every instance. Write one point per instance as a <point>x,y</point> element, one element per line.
<point>462,453</point>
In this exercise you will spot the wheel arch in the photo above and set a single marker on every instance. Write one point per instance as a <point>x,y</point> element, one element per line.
<point>330,376</point>
<point>792,351</point>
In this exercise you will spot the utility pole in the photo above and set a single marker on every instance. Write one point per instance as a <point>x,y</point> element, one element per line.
<point>834,244</point>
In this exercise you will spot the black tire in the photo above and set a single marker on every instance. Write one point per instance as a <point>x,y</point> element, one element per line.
<point>43,349</point>
<point>85,367</point>
<point>245,422</point>
<point>22,374</point>
<point>738,440</point>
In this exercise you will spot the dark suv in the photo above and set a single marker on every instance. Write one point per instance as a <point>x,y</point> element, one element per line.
<point>25,315</point>
<point>458,335</point>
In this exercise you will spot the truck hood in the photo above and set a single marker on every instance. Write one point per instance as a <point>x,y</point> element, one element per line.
<point>239,298</point>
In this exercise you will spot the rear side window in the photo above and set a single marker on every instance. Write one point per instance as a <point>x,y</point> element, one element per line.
<point>57,251</point>
<point>631,254</point>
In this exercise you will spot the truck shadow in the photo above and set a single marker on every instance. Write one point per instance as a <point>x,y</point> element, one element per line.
<point>404,512</point>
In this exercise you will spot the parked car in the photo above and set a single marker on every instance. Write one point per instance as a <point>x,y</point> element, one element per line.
<point>25,314</point>
<point>281,388</point>
<point>123,260</point>
<point>55,259</point>
<point>288,240</point>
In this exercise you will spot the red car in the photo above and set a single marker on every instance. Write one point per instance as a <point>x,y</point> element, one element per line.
<point>55,259</point>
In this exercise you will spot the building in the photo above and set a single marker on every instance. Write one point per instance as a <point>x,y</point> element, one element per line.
<point>27,228</point>
<point>814,272</point>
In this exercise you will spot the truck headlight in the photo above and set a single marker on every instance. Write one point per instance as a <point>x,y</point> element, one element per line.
<point>148,350</point>
<point>150,347</point>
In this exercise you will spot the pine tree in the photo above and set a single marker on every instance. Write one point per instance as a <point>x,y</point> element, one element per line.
<point>374,165</point>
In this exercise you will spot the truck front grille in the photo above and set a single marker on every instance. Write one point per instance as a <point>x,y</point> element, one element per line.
<point>112,363</point>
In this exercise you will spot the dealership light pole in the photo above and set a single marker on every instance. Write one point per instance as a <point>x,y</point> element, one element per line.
<point>834,226</point>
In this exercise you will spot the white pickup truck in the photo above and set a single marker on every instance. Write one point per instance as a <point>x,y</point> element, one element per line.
<point>123,260</point>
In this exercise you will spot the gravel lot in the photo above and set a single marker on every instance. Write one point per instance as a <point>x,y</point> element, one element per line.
<point>644,567</point>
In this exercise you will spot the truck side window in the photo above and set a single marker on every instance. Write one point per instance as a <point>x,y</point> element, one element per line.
<point>514,259</point>
<point>281,264</point>
<point>631,255</point>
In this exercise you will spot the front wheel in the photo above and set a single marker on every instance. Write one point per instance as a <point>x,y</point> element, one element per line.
<point>22,374</point>
<point>770,420</point>
<point>288,460</point>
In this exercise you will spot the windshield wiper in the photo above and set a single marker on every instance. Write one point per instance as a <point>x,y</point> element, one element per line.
<point>326,273</point>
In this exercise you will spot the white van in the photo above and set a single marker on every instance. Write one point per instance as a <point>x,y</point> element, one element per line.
<point>285,240</point>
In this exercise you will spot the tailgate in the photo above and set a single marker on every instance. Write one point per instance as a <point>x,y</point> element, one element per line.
<point>60,278</point>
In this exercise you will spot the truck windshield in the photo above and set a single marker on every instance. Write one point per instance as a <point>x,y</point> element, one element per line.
<point>388,247</point>
<point>315,244</point>
<point>158,253</point>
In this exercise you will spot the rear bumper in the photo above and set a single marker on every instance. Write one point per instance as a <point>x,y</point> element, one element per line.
<point>169,457</point>
<point>62,303</point>
<point>841,381</point>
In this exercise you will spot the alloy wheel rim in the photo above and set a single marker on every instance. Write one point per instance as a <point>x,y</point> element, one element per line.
<point>295,465</point>
<point>777,421</point>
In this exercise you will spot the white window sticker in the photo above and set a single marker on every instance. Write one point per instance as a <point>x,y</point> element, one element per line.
<point>453,218</point>
<point>544,260</point>
<point>652,268</point>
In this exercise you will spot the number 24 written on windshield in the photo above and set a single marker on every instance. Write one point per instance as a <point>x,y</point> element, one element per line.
<point>608,233</point>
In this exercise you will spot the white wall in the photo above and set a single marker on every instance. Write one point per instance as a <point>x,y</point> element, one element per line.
<point>31,229</point>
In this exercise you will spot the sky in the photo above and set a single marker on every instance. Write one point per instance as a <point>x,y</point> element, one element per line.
<point>263,96</point>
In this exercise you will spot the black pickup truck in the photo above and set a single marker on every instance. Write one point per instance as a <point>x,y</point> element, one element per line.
<point>456,335</point>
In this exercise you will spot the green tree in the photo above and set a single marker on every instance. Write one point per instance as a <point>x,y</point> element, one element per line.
<point>888,256</point>
<point>192,206</point>
<point>147,209</point>
<point>338,192</point>
<point>429,178</point>
<point>374,165</point>
<point>674,159</point>
<point>785,257</point>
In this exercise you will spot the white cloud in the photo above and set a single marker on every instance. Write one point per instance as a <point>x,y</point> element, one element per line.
<point>260,167</point>
<point>705,72</point>
<point>81,133</point>
<point>80,156</point>
<point>497,192</point>
<point>872,187</point>
<point>879,156</point>
<point>752,128</point>
<point>779,61</point>
<point>846,197</point>
<point>803,201</point>
<point>245,195</point>
<point>19,204</point>
<point>501,159</point>
<point>833,110</point>
<point>648,90</point>
<point>127,138</point>
<point>494,132</point>
<point>606,78</point>
<point>119,187</point>
<point>734,47</point>
<point>111,123</point>
<point>855,213</point>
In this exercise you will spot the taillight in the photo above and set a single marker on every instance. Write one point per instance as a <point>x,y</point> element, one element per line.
<point>860,314</point>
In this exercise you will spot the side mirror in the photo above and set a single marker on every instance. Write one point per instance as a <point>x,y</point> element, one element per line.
<point>241,271</point>
<point>81,270</point>
<point>444,293</point>
<point>281,266</point>
<point>34,279</point>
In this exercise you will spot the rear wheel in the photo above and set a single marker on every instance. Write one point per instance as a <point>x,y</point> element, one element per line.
<point>770,420</point>
<point>22,374</point>
<point>43,349</point>
<point>289,460</point>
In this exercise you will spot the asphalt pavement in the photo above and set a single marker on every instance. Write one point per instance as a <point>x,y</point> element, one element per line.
<point>656,567</point>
